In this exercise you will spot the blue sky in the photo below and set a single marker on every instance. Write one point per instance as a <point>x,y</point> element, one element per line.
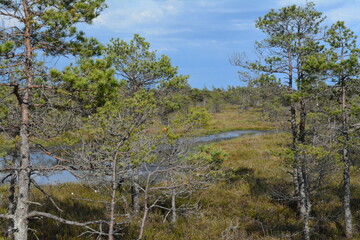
<point>200,35</point>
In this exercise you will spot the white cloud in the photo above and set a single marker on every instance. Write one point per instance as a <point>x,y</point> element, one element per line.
<point>160,31</point>
<point>162,50</point>
<point>241,24</point>
<point>319,3</point>
<point>208,3</point>
<point>122,16</point>
<point>334,10</point>
<point>348,13</point>
<point>226,10</point>
<point>193,23</point>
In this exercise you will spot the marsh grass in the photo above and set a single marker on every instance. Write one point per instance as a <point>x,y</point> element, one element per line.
<point>251,198</point>
<point>231,118</point>
<point>243,204</point>
<point>243,198</point>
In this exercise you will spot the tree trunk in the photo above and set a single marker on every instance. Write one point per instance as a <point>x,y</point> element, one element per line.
<point>296,164</point>
<point>302,121</point>
<point>22,207</point>
<point>113,199</point>
<point>12,205</point>
<point>145,215</point>
<point>347,196</point>
<point>301,191</point>
<point>173,207</point>
<point>346,160</point>
<point>135,198</point>
<point>173,195</point>
<point>306,202</point>
<point>307,225</point>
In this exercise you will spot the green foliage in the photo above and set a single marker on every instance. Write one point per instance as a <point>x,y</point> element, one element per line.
<point>214,156</point>
<point>343,53</point>
<point>4,109</point>
<point>265,81</point>
<point>141,68</point>
<point>114,103</point>
<point>91,83</point>
<point>60,18</point>
<point>6,47</point>
<point>355,110</point>
<point>291,47</point>
<point>54,23</point>
<point>183,123</point>
<point>282,35</point>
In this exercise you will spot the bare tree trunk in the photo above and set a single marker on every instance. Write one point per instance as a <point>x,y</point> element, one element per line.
<point>135,192</point>
<point>347,196</point>
<point>173,206</point>
<point>296,164</point>
<point>145,215</point>
<point>304,196</point>
<point>22,207</point>
<point>302,124</point>
<point>11,206</point>
<point>306,203</point>
<point>297,176</point>
<point>346,160</point>
<point>307,225</point>
<point>296,181</point>
<point>113,199</point>
<point>299,169</point>
<point>301,191</point>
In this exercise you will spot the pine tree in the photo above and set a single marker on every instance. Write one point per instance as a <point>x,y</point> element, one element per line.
<point>33,30</point>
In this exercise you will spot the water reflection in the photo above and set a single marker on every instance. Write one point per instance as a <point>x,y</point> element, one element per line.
<point>40,159</point>
<point>227,135</point>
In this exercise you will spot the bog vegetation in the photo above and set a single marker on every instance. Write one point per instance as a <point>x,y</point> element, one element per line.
<point>122,121</point>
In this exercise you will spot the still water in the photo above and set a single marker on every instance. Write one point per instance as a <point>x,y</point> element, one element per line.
<point>40,159</point>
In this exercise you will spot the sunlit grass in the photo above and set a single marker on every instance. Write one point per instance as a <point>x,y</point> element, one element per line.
<point>257,153</point>
<point>245,197</point>
<point>231,118</point>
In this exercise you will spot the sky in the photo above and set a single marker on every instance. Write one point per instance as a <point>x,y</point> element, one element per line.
<point>201,35</point>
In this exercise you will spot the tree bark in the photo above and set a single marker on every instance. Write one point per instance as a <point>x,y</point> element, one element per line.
<point>173,206</point>
<point>22,207</point>
<point>113,199</point>
<point>302,124</point>
<point>307,225</point>
<point>347,195</point>
<point>346,160</point>
<point>144,217</point>
<point>297,173</point>
<point>135,193</point>
<point>306,202</point>
<point>11,206</point>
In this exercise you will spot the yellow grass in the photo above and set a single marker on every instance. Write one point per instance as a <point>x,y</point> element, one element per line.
<point>242,199</point>
<point>231,118</point>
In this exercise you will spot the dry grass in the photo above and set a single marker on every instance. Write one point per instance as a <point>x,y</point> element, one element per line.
<point>243,204</point>
<point>248,198</point>
<point>257,153</point>
<point>244,198</point>
<point>232,118</point>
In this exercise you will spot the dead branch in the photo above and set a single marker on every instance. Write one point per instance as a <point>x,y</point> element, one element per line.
<point>47,195</point>
<point>69,222</point>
